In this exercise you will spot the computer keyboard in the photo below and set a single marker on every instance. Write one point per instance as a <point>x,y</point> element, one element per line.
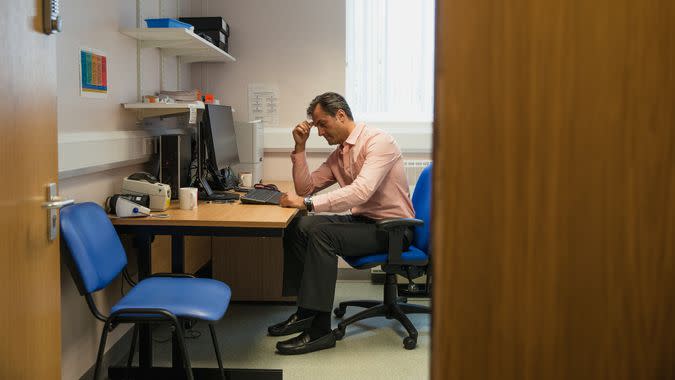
<point>261,196</point>
<point>220,196</point>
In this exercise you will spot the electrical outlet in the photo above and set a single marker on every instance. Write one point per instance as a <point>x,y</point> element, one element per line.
<point>148,145</point>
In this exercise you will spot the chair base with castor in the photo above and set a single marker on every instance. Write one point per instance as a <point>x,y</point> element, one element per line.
<point>393,307</point>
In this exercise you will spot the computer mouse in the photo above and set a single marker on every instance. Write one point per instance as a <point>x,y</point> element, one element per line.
<point>143,176</point>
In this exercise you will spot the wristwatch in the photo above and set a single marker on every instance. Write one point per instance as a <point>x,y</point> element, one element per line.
<point>308,204</point>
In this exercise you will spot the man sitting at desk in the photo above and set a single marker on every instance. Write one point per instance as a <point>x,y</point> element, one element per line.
<point>367,165</point>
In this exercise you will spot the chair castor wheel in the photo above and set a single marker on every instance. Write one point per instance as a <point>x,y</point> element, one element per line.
<point>339,312</point>
<point>339,333</point>
<point>409,343</point>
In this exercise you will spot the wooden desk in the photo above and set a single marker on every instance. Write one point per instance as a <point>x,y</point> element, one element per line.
<point>208,219</point>
<point>249,261</point>
<point>220,215</point>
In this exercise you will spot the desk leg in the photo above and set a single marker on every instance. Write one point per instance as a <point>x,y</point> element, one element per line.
<point>177,254</point>
<point>177,266</point>
<point>144,244</point>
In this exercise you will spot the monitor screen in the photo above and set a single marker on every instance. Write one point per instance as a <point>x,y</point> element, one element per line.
<point>219,136</point>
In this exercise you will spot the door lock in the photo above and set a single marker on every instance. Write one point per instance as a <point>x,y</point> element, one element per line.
<point>51,20</point>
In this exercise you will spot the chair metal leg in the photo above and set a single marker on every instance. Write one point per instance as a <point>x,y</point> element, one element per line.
<point>380,310</point>
<point>409,308</point>
<point>375,311</point>
<point>132,350</point>
<point>342,307</point>
<point>216,346</point>
<point>101,348</point>
<point>181,346</point>
<point>359,303</point>
<point>401,317</point>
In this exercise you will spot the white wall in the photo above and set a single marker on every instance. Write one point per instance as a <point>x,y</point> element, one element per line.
<point>298,45</point>
<point>95,24</point>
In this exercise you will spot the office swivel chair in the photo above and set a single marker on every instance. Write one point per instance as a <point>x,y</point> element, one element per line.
<point>412,263</point>
<point>95,257</point>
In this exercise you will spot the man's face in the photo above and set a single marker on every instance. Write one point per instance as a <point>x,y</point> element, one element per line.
<point>329,127</point>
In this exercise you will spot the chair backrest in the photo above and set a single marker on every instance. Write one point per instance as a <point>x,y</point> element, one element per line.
<point>95,250</point>
<point>421,200</point>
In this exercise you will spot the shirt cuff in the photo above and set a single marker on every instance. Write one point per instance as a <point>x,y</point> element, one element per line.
<point>321,203</point>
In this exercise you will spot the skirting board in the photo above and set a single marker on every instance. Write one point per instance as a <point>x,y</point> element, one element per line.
<point>88,152</point>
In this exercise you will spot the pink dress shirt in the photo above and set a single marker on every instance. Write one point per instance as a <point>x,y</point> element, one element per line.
<point>369,168</point>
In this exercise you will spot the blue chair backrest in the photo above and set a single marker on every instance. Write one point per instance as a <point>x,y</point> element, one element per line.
<point>421,200</point>
<point>93,244</point>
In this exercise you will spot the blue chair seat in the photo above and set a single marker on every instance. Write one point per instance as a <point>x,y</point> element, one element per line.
<point>413,254</point>
<point>195,298</point>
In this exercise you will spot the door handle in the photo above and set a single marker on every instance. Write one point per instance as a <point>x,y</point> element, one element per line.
<point>53,203</point>
<point>57,204</point>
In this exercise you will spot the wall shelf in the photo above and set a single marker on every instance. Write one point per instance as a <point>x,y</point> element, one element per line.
<point>179,42</point>
<point>162,109</point>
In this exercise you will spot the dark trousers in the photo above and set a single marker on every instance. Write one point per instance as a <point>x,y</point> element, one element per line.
<point>311,247</point>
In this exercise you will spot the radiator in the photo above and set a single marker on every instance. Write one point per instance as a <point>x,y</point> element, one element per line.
<point>413,169</point>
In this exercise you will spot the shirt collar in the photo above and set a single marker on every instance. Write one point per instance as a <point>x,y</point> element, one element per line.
<point>351,140</point>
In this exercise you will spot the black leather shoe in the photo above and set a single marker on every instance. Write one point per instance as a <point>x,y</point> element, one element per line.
<point>292,325</point>
<point>302,344</point>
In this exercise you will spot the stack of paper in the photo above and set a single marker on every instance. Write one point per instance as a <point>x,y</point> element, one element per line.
<point>182,96</point>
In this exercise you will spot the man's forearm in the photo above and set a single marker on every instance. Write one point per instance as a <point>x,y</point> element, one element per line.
<point>302,179</point>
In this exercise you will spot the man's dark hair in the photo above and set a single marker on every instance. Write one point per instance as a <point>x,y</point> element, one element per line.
<point>330,103</point>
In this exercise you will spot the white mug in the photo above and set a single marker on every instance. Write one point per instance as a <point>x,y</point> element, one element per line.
<point>187,197</point>
<point>246,179</point>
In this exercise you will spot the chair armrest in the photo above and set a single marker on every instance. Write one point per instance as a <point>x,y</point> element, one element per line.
<point>177,275</point>
<point>389,224</point>
<point>395,228</point>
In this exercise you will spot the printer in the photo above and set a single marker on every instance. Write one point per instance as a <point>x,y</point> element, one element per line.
<point>145,183</point>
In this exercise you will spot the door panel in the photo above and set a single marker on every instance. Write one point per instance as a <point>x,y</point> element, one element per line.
<point>554,183</point>
<point>30,337</point>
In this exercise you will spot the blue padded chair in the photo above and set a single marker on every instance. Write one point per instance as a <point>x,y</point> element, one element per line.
<point>95,257</point>
<point>412,263</point>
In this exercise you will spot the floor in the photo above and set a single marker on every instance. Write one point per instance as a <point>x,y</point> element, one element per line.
<point>371,349</point>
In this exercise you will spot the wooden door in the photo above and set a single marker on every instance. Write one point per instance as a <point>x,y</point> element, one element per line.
<point>554,190</point>
<point>30,321</point>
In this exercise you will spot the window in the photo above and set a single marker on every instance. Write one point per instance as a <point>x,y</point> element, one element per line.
<point>390,60</point>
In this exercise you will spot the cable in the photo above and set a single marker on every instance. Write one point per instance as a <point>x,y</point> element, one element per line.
<point>189,334</point>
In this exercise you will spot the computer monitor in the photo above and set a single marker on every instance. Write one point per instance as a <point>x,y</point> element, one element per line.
<point>219,137</point>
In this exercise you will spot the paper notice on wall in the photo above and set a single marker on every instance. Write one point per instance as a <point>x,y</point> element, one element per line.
<point>263,104</point>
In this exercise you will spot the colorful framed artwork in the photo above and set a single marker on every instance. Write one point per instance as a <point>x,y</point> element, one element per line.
<point>93,73</point>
